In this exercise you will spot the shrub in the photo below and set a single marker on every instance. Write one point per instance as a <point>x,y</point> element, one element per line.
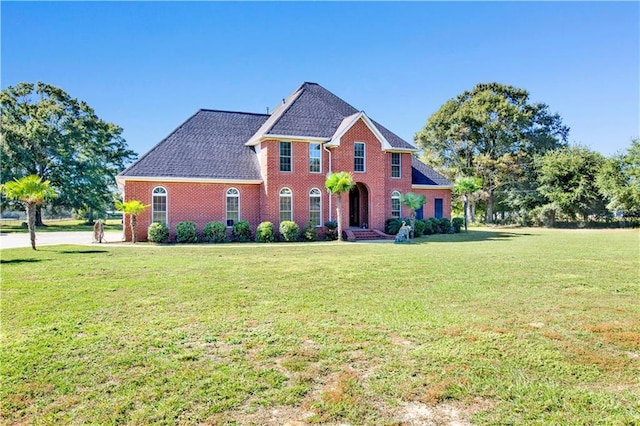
<point>241,231</point>
<point>457,223</point>
<point>392,226</point>
<point>420,227</point>
<point>310,232</point>
<point>215,232</point>
<point>332,230</point>
<point>289,231</point>
<point>444,225</point>
<point>264,233</point>
<point>186,232</point>
<point>158,233</point>
<point>430,226</point>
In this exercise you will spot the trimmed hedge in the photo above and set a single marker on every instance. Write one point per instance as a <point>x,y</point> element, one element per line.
<point>265,233</point>
<point>158,233</point>
<point>186,232</point>
<point>289,231</point>
<point>310,232</point>
<point>241,231</point>
<point>215,232</point>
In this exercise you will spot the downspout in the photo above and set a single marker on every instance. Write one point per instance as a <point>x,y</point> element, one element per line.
<point>324,146</point>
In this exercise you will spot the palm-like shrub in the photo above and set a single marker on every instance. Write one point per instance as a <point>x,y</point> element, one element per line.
<point>338,184</point>
<point>132,208</point>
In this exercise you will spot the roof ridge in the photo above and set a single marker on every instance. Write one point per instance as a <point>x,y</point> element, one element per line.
<point>232,112</point>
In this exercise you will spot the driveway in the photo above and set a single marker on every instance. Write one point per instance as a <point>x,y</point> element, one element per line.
<point>13,240</point>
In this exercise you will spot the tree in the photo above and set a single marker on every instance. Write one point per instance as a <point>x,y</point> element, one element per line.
<point>567,178</point>
<point>619,180</point>
<point>46,132</point>
<point>132,208</point>
<point>413,201</point>
<point>465,187</point>
<point>337,184</point>
<point>491,132</point>
<point>32,191</point>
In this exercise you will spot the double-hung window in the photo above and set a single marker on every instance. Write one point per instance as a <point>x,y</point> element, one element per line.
<point>285,156</point>
<point>359,157</point>
<point>315,209</point>
<point>396,207</point>
<point>233,206</point>
<point>159,205</point>
<point>286,210</point>
<point>396,165</point>
<point>314,157</point>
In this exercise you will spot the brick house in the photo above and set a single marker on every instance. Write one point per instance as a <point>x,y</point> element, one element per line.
<point>229,166</point>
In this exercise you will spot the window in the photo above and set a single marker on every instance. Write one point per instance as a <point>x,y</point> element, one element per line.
<point>285,156</point>
<point>159,204</point>
<point>233,206</point>
<point>438,208</point>
<point>395,165</point>
<point>286,212</point>
<point>315,209</point>
<point>358,157</point>
<point>314,157</point>
<point>396,206</point>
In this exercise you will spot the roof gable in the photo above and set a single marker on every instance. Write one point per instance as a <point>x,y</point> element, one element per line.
<point>209,145</point>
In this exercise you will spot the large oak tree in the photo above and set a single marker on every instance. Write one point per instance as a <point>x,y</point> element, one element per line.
<point>46,132</point>
<point>491,132</point>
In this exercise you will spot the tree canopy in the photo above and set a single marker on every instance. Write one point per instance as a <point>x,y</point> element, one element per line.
<point>46,132</point>
<point>491,132</point>
<point>619,180</point>
<point>337,184</point>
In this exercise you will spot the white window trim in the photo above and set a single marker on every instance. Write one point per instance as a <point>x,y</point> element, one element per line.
<point>319,195</point>
<point>166,203</point>
<point>290,196</point>
<point>226,205</point>
<point>364,157</point>
<point>399,198</point>
<point>320,150</point>
<point>290,156</point>
<point>399,165</point>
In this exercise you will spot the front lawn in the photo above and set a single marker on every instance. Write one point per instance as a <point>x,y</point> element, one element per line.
<point>66,225</point>
<point>497,326</point>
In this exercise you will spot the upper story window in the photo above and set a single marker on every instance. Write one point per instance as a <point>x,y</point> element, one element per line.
<point>358,157</point>
<point>286,210</point>
<point>315,155</point>
<point>233,206</point>
<point>396,164</point>
<point>159,204</point>
<point>396,206</point>
<point>285,156</point>
<point>315,209</point>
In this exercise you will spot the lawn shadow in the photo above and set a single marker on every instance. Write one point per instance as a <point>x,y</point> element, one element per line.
<point>14,261</point>
<point>472,236</point>
<point>82,251</point>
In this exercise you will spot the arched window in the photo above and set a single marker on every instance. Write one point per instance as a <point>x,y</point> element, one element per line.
<point>233,206</point>
<point>396,206</point>
<point>286,210</point>
<point>159,204</point>
<point>315,207</point>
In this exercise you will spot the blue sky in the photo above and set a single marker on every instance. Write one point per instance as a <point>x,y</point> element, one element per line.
<point>148,66</point>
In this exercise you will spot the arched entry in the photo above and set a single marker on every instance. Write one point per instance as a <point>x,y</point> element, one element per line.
<point>359,206</point>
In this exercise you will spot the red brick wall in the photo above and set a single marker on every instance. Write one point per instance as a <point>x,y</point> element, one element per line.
<point>197,202</point>
<point>205,202</point>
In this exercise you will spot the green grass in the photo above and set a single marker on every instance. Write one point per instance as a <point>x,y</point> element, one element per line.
<point>505,326</point>
<point>66,225</point>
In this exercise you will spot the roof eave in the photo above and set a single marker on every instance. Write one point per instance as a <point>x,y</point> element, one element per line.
<point>121,179</point>
<point>415,186</point>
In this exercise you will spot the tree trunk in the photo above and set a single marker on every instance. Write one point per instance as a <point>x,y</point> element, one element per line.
<point>339,215</point>
<point>31,223</point>
<point>490,207</point>
<point>472,211</point>
<point>38,216</point>
<point>133,220</point>
<point>465,208</point>
<point>413,224</point>
<point>90,220</point>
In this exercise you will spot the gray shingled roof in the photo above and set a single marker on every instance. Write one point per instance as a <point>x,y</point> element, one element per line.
<point>316,112</point>
<point>208,145</point>
<point>421,174</point>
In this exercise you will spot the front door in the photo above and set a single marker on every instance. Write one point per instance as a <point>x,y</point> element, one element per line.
<point>354,207</point>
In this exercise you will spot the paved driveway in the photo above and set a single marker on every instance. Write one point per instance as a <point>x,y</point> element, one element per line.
<point>13,240</point>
